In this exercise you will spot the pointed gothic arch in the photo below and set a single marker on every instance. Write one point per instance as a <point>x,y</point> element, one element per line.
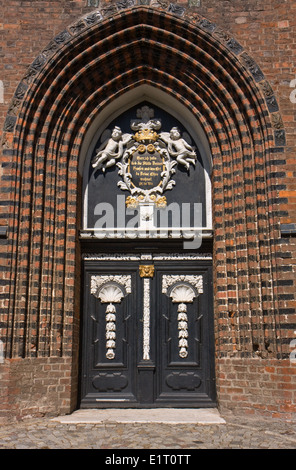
<point>85,68</point>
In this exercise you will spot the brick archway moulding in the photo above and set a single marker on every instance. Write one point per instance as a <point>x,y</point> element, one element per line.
<point>101,56</point>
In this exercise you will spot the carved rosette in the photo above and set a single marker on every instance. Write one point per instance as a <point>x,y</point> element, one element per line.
<point>111,290</point>
<point>182,290</point>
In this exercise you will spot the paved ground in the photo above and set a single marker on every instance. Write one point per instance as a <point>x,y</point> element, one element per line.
<point>229,433</point>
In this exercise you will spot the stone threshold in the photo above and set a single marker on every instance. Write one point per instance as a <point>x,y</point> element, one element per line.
<point>155,415</point>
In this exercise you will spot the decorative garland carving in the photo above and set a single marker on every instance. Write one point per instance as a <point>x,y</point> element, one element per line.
<point>111,290</point>
<point>183,330</point>
<point>146,320</point>
<point>182,289</point>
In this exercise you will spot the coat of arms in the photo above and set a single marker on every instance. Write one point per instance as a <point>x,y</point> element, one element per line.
<point>146,159</point>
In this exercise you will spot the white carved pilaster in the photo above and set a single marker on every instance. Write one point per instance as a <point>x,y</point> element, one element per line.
<point>146,319</point>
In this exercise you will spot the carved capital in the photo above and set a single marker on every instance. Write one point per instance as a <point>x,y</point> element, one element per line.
<point>146,270</point>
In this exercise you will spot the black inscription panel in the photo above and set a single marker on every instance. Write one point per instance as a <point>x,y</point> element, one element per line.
<point>146,168</point>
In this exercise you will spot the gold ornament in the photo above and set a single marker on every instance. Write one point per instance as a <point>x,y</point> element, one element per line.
<point>146,270</point>
<point>146,134</point>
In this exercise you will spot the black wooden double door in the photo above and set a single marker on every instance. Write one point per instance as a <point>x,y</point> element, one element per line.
<point>147,332</point>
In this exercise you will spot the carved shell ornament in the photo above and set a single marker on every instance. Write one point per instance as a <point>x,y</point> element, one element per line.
<point>110,293</point>
<point>160,152</point>
<point>182,293</point>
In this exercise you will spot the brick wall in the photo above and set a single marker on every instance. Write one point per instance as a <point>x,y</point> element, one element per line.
<point>241,67</point>
<point>36,387</point>
<point>257,386</point>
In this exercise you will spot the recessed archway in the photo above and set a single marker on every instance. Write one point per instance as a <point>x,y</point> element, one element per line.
<point>74,80</point>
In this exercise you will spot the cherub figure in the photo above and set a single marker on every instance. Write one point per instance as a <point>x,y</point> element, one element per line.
<point>178,147</point>
<point>111,150</point>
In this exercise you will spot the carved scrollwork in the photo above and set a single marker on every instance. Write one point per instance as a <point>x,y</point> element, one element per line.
<point>98,281</point>
<point>141,194</point>
<point>62,37</point>
<point>195,281</point>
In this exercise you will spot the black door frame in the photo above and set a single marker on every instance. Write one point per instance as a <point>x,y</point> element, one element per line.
<point>146,369</point>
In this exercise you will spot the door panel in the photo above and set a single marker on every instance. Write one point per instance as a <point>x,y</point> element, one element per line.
<point>147,333</point>
<point>109,338</point>
<point>184,339</point>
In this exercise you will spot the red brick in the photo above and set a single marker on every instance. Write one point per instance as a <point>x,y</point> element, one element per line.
<point>28,30</point>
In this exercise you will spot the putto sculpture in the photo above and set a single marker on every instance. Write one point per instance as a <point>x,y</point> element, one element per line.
<point>111,150</point>
<point>178,148</point>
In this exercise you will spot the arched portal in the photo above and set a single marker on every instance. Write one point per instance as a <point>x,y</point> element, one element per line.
<point>147,334</point>
<point>61,103</point>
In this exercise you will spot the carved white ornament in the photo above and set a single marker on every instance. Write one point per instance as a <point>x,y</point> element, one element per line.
<point>111,149</point>
<point>195,281</point>
<point>182,293</point>
<point>183,329</point>
<point>110,289</point>
<point>182,289</point>
<point>146,319</point>
<point>176,257</point>
<point>148,195</point>
<point>98,281</point>
<point>131,257</point>
<point>110,293</point>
